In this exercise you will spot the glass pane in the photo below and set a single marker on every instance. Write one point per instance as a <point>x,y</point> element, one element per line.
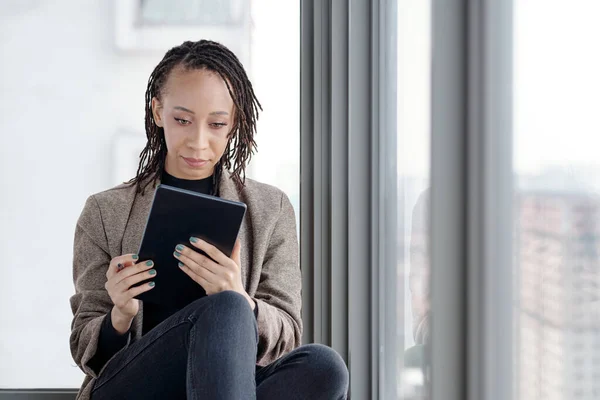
<point>278,86</point>
<point>557,203</point>
<point>413,268</point>
<point>73,125</point>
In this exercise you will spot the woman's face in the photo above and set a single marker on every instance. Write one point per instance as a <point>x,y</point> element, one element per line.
<point>196,112</point>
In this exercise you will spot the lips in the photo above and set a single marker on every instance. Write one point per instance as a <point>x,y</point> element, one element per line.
<point>195,162</point>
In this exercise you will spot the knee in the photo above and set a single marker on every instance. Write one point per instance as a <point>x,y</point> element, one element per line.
<point>229,300</point>
<point>328,370</point>
<point>226,306</point>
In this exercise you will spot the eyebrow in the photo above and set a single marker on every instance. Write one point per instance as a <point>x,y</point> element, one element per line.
<point>183,109</point>
<point>191,112</point>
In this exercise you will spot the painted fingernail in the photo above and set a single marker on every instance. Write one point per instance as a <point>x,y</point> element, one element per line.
<point>177,254</point>
<point>149,263</point>
<point>193,239</point>
<point>181,265</point>
<point>152,272</point>
<point>151,284</point>
<point>119,266</point>
<point>135,256</point>
<point>179,247</point>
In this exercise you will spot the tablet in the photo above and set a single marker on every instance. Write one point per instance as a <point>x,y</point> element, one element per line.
<point>176,215</point>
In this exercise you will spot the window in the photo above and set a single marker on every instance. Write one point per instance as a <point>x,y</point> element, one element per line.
<point>555,85</point>
<point>414,261</point>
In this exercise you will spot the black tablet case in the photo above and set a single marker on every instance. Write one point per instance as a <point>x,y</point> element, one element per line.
<point>176,215</point>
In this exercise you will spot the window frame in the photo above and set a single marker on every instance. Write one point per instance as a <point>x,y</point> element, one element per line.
<point>471,200</point>
<point>38,394</point>
<point>344,261</point>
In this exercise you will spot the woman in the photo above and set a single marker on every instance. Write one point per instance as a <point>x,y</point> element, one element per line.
<point>241,340</point>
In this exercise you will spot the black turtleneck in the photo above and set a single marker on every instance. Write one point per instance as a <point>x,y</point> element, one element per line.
<point>197,185</point>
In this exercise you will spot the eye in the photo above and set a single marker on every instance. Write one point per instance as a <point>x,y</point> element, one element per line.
<point>181,121</point>
<point>218,125</point>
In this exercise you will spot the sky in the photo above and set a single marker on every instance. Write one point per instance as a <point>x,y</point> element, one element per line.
<point>556,86</point>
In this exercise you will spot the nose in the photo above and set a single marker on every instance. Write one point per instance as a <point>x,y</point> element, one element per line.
<point>199,138</point>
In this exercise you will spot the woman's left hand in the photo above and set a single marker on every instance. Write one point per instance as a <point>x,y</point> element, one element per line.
<point>216,276</point>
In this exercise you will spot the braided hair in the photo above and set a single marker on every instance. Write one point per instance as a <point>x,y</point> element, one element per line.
<point>212,56</point>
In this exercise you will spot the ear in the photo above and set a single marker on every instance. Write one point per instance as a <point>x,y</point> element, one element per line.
<point>157,111</point>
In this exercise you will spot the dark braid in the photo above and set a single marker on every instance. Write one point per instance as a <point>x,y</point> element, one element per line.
<point>212,56</point>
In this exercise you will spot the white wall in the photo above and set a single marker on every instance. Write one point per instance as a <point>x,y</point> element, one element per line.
<point>65,94</point>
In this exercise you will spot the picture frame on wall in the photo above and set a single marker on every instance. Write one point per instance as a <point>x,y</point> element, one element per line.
<point>158,25</point>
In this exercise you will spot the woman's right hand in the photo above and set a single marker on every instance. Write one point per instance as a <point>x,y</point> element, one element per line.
<point>123,272</point>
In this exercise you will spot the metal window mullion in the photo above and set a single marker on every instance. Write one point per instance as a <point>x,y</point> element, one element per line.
<point>490,200</point>
<point>377,239</point>
<point>499,200</point>
<point>359,203</point>
<point>385,197</point>
<point>339,177</point>
<point>448,198</point>
<point>308,76</point>
<point>323,166</point>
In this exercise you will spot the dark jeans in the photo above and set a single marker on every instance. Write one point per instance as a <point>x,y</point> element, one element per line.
<point>208,351</point>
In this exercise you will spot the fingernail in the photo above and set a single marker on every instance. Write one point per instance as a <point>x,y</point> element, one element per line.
<point>181,265</point>
<point>177,254</point>
<point>152,272</point>
<point>151,284</point>
<point>193,239</point>
<point>179,247</point>
<point>135,256</point>
<point>149,263</point>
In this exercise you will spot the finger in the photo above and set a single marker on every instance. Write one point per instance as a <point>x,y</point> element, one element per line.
<point>216,282</point>
<point>211,251</point>
<point>119,263</point>
<point>127,283</point>
<point>196,260</point>
<point>125,260</point>
<point>199,269</point>
<point>134,291</point>
<point>188,252</point>
<point>134,270</point>
<point>200,280</point>
<point>131,270</point>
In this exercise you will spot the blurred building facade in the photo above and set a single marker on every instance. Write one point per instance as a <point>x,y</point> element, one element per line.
<point>558,275</point>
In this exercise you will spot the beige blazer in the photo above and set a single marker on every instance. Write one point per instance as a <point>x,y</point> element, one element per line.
<point>112,223</point>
